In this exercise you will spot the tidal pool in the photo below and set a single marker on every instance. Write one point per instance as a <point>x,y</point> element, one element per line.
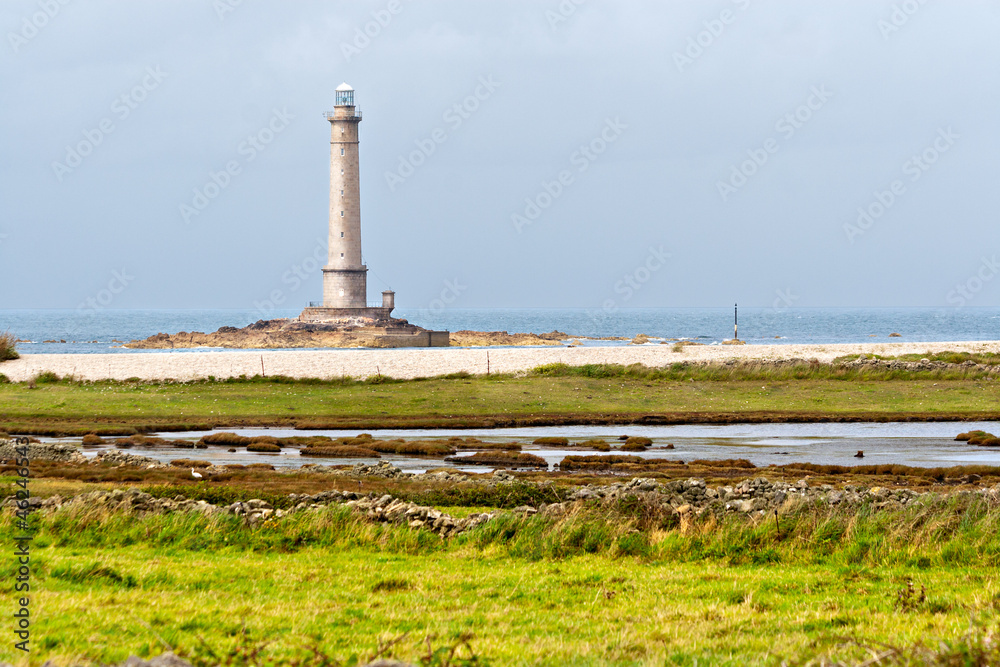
<point>912,444</point>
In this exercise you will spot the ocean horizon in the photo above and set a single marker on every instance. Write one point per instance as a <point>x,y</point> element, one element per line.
<point>105,331</point>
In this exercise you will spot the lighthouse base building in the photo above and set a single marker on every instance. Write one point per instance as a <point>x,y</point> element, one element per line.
<point>345,277</point>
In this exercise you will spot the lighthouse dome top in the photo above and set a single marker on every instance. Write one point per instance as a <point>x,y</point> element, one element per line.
<point>345,96</point>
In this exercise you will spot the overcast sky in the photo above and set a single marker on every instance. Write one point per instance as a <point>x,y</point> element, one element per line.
<point>641,153</point>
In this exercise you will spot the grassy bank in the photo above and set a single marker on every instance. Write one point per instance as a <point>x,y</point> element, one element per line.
<point>551,395</point>
<point>589,589</point>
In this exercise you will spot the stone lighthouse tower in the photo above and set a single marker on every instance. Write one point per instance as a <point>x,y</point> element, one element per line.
<point>345,277</point>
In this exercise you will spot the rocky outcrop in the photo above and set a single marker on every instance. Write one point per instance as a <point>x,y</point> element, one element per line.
<point>285,334</point>
<point>292,334</point>
<point>38,451</point>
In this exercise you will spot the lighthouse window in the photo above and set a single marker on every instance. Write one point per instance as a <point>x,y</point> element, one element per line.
<point>342,255</point>
<point>341,292</point>
<point>341,214</point>
<point>341,234</point>
<point>341,151</point>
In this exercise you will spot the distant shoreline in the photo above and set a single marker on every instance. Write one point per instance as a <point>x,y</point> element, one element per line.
<point>421,362</point>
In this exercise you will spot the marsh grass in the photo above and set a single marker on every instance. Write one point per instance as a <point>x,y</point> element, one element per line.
<point>551,396</point>
<point>340,452</point>
<point>597,444</point>
<point>501,458</point>
<point>610,586</point>
<point>263,448</point>
<point>956,531</point>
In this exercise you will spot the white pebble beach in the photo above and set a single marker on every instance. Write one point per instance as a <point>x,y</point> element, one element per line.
<point>414,363</point>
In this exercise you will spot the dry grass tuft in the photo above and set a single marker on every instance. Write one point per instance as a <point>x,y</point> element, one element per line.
<point>552,442</point>
<point>596,444</point>
<point>263,448</point>
<point>8,347</point>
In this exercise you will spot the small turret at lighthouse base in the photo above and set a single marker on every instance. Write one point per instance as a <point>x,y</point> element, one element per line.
<point>373,325</point>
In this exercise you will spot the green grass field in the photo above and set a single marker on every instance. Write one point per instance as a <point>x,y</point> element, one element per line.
<point>591,589</point>
<point>596,395</point>
<point>600,587</point>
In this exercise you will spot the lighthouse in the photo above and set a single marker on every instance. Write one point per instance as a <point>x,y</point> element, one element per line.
<point>345,277</point>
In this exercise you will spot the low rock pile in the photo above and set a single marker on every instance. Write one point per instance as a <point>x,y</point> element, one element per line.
<point>755,497</point>
<point>382,469</point>
<point>42,452</point>
<point>384,509</point>
<point>690,497</point>
<point>119,458</point>
<point>922,365</point>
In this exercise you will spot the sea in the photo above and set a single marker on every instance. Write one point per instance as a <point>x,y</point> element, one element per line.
<point>104,331</point>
